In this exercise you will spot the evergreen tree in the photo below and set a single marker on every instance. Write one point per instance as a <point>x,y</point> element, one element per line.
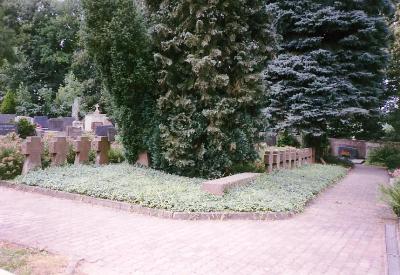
<point>118,42</point>
<point>393,82</point>
<point>8,104</point>
<point>210,55</point>
<point>328,76</point>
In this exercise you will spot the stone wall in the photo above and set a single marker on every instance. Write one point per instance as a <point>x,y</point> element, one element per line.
<point>363,147</point>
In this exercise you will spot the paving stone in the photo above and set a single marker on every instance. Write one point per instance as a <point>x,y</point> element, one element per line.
<point>328,238</point>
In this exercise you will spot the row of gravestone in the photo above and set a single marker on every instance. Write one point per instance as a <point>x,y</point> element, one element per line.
<point>288,158</point>
<point>65,124</point>
<point>32,148</point>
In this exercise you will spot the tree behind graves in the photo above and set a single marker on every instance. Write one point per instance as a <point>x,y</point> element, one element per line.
<point>118,42</point>
<point>210,55</point>
<point>328,77</point>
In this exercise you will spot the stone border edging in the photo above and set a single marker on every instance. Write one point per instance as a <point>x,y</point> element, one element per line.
<point>160,213</point>
<point>392,249</point>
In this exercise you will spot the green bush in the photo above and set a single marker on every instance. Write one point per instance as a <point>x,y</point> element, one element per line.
<point>11,163</point>
<point>345,162</point>
<point>253,167</point>
<point>25,128</point>
<point>11,159</point>
<point>286,139</point>
<point>116,155</point>
<point>70,154</point>
<point>391,195</point>
<point>9,104</point>
<point>387,155</point>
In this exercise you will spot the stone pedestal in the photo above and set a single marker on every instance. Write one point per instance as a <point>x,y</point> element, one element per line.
<point>101,145</point>
<point>58,149</point>
<point>32,149</point>
<point>81,147</point>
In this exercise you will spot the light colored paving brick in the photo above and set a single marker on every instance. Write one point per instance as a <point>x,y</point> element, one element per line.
<point>341,232</point>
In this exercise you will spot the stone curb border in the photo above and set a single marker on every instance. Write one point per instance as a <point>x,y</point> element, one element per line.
<point>160,213</point>
<point>392,249</point>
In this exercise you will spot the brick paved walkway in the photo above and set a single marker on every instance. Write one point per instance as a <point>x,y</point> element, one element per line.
<point>342,232</point>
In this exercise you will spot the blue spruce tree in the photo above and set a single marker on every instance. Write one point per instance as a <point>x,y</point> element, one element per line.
<point>328,76</point>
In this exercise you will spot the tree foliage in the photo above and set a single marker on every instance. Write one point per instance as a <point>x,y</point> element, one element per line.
<point>119,44</point>
<point>328,76</point>
<point>209,57</point>
<point>48,48</point>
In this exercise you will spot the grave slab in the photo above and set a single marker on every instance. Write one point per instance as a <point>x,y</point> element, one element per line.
<point>42,121</point>
<point>7,118</point>
<point>56,124</point>
<point>220,186</point>
<point>7,129</point>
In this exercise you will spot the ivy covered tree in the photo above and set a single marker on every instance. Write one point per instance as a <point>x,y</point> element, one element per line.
<point>328,76</point>
<point>209,56</point>
<point>118,42</point>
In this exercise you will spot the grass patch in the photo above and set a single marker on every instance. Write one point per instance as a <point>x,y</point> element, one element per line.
<point>285,190</point>
<point>26,261</point>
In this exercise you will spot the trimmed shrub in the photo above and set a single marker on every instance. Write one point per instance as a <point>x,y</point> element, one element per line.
<point>286,139</point>
<point>116,155</point>
<point>11,159</point>
<point>387,155</point>
<point>25,128</point>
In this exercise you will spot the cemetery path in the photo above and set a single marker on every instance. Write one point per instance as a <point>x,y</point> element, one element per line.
<point>341,232</point>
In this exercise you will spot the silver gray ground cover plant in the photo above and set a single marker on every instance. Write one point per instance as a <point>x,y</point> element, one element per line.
<point>286,190</point>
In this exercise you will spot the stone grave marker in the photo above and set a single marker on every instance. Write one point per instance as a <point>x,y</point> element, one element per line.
<point>106,131</point>
<point>81,147</point>
<point>58,149</point>
<point>101,145</point>
<point>42,121</point>
<point>95,125</point>
<point>32,149</point>
<point>56,124</point>
<point>7,128</point>
<point>75,108</point>
<point>143,159</point>
<point>7,118</point>
<point>68,122</point>
<point>74,132</point>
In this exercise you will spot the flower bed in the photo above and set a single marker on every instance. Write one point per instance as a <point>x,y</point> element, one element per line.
<point>286,190</point>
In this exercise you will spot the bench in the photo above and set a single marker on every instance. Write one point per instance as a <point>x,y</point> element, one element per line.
<point>219,186</point>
